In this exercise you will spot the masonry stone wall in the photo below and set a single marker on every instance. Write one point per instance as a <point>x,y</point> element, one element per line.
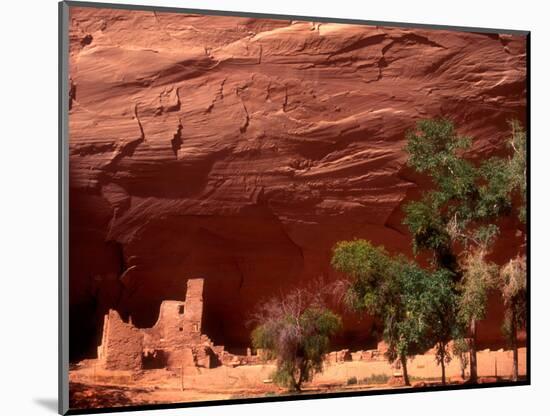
<point>122,344</point>
<point>174,341</point>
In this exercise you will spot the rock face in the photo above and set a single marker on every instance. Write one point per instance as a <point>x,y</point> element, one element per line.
<point>240,150</point>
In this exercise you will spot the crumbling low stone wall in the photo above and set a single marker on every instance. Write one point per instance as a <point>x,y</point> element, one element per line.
<point>490,364</point>
<point>122,344</point>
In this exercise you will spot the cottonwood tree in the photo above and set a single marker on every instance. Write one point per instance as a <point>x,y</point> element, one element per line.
<point>431,298</point>
<point>478,277</point>
<point>373,287</point>
<point>512,279</point>
<point>416,306</point>
<point>513,285</point>
<point>461,351</point>
<point>455,220</point>
<point>295,329</point>
<point>517,169</point>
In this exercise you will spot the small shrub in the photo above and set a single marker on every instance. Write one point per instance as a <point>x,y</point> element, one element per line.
<point>352,380</point>
<point>377,379</point>
<point>295,330</point>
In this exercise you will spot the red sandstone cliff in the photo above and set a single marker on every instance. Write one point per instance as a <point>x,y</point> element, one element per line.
<point>241,150</point>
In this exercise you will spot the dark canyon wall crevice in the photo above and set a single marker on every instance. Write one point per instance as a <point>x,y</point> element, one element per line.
<point>240,150</point>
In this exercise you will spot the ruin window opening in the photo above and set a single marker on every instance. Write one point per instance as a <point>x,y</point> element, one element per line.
<point>181,309</point>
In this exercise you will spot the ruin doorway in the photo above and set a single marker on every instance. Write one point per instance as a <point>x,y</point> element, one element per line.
<point>155,359</point>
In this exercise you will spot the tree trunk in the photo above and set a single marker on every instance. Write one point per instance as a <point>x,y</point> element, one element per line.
<point>295,380</point>
<point>442,359</point>
<point>405,371</point>
<point>302,375</point>
<point>473,352</point>
<point>299,382</point>
<point>296,385</point>
<point>514,331</point>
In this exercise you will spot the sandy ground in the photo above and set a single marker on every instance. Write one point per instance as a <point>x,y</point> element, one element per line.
<point>98,395</point>
<point>91,387</point>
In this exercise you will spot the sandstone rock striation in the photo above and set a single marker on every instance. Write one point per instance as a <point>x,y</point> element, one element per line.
<point>240,150</point>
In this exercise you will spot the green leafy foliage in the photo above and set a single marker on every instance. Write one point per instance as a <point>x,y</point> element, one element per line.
<point>494,188</point>
<point>295,330</point>
<point>465,198</point>
<point>518,166</point>
<point>416,306</point>
<point>427,226</point>
<point>372,272</point>
<point>461,350</point>
<point>406,323</point>
<point>432,302</point>
<point>504,180</point>
<point>434,147</point>
<point>456,220</point>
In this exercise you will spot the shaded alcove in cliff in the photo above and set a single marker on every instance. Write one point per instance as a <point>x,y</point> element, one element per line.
<point>95,267</point>
<point>230,253</point>
<point>244,258</point>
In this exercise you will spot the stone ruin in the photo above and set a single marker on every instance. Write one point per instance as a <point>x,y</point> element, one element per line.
<point>175,341</point>
<point>341,356</point>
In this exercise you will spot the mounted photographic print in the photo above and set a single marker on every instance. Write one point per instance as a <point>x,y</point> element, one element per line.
<point>266,208</point>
